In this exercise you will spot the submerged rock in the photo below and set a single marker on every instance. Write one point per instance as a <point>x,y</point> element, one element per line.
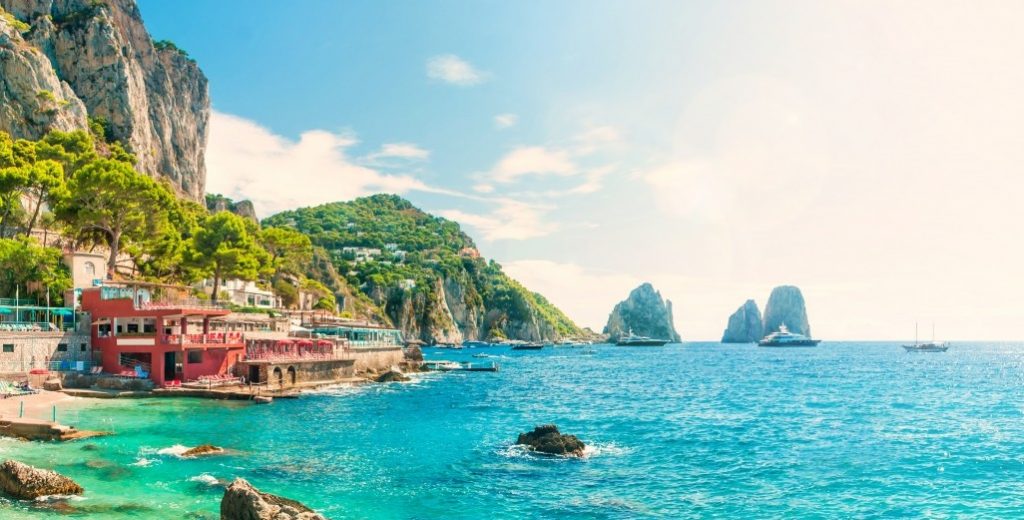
<point>25,482</point>
<point>547,439</point>
<point>391,376</point>
<point>202,449</point>
<point>243,502</point>
<point>744,325</point>
<point>645,314</point>
<point>786,306</point>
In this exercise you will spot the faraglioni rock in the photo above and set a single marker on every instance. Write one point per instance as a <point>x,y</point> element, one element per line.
<point>62,61</point>
<point>548,440</point>
<point>644,313</point>
<point>243,502</point>
<point>745,325</point>
<point>786,307</point>
<point>27,483</point>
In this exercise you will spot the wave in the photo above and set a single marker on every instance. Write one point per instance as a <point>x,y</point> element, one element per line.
<point>205,478</point>
<point>172,451</point>
<point>143,462</point>
<point>597,449</point>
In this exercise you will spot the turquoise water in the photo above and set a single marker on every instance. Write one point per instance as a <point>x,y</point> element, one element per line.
<point>685,431</point>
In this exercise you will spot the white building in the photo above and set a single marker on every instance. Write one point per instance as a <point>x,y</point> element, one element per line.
<point>243,293</point>
<point>361,254</point>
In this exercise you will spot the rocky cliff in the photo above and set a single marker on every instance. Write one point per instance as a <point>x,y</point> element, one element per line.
<point>63,61</point>
<point>242,208</point>
<point>786,306</point>
<point>644,313</point>
<point>744,325</point>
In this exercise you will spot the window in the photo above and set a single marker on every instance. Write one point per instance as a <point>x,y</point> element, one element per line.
<point>84,347</point>
<point>62,347</point>
<point>8,347</point>
<point>90,269</point>
<point>195,356</point>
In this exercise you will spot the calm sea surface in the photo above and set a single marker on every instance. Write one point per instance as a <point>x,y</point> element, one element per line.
<point>684,431</point>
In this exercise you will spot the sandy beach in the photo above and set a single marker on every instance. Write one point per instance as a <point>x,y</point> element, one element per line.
<point>38,405</point>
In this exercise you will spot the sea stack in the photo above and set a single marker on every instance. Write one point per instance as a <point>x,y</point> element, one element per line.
<point>745,325</point>
<point>786,306</point>
<point>644,313</point>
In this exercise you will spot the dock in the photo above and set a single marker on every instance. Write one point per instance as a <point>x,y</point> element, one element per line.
<point>455,366</point>
<point>40,430</point>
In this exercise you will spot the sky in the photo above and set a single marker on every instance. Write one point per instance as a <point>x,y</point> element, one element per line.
<point>868,152</point>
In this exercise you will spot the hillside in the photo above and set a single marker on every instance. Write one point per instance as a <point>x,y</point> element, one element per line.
<point>422,272</point>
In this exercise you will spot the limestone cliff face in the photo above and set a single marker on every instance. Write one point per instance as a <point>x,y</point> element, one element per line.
<point>645,314</point>
<point>786,306</point>
<point>97,58</point>
<point>242,208</point>
<point>744,325</point>
<point>423,314</point>
<point>465,306</point>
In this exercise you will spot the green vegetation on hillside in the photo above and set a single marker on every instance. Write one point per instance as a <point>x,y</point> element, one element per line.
<point>393,252</point>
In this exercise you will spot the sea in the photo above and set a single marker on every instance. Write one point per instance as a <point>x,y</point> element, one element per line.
<point>692,430</point>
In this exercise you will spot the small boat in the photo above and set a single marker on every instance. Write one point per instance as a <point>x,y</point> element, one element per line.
<point>929,346</point>
<point>475,344</point>
<point>528,346</point>
<point>784,338</point>
<point>481,355</point>
<point>454,366</point>
<point>632,340</point>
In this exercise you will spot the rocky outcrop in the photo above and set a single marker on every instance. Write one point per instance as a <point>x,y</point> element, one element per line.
<point>202,449</point>
<point>392,376</point>
<point>786,306</point>
<point>547,439</point>
<point>744,325</point>
<point>244,502</point>
<point>27,483</point>
<point>465,306</point>
<point>242,208</point>
<point>62,60</point>
<point>423,313</point>
<point>644,313</point>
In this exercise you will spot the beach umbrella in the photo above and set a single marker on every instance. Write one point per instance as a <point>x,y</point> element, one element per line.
<point>5,310</point>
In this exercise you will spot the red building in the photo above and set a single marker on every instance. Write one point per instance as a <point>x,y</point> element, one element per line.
<point>159,338</point>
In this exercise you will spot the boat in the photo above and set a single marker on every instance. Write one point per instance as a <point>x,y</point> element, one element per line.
<point>929,346</point>
<point>528,346</point>
<point>632,340</point>
<point>784,338</point>
<point>475,344</point>
<point>455,366</point>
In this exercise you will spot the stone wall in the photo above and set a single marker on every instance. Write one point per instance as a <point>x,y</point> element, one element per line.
<point>375,359</point>
<point>33,350</point>
<point>297,373</point>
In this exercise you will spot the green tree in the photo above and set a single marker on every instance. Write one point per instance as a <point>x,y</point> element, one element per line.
<point>224,247</point>
<point>45,185</point>
<point>289,250</point>
<point>111,203</point>
<point>35,269</point>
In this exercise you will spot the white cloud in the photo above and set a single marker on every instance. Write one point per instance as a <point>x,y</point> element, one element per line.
<point>452,69</point>
<point>532,160</point>
<point>400,151</point>
<point>510,220</point>
<point>595,137</point>
<point>247,161</point>
<point>483,188</point>
<point>502,121</point>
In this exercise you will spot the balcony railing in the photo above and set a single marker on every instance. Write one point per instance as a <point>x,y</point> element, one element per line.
<point>188,303</point>
<point>213,338</point>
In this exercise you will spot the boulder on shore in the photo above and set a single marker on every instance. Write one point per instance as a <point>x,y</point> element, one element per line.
<point>392,376</point>
<point>414,354</point>
<point>243,502</point>
<point>744,325</point>
<point>27,483</point>
<point>203,449</point>
<point>547,439</point>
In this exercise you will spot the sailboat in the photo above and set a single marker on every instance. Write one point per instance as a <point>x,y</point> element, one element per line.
<point>931,346</point>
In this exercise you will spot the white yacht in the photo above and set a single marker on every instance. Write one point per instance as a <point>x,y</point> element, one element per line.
<point>784,338</point>
<point>928,346</point>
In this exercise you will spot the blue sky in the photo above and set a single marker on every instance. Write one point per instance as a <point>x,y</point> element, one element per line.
<point>714,149</point>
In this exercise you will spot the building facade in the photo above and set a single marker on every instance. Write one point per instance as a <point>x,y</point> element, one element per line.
<point>162,338</point>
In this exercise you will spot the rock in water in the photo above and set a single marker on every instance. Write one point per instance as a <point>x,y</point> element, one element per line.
<point>63,59</point>
<point>644,313</point>
<point>27,483</point>
<point>392,375</point>
<point>202,449</point>
<point>243,502</point>
<point>744,325</point>
<point>786,306</point>
<point>547,439</point>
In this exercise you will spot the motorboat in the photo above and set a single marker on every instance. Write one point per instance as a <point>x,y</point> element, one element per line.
<point>784,338</point>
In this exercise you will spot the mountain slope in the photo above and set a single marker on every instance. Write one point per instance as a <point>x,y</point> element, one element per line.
<point>62,61</point>
<point>423,272</point>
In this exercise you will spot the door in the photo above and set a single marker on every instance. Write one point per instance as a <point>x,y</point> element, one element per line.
<point>169,362</point>
<point>254,374</point>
